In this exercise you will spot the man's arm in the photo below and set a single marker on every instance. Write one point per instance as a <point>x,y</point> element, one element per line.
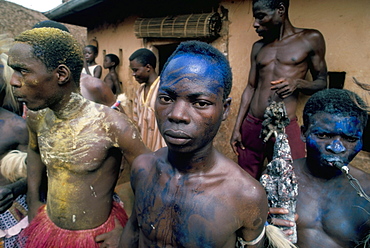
<point>96,90</point>
<point>97,71</point>
<point>236,139</point>
<point>116,83</point>
<point>35,172</point>
<point>10,192</point>
<point>130,235</point>
<point>254,215</point>
<point>129,139</point>
<point>316,65</point>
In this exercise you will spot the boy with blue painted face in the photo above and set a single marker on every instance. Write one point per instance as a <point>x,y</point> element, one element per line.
<point>188,194</point>
<point>331,212</point>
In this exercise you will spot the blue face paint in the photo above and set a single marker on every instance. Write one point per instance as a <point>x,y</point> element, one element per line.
<point>336,146</point>
<point>331,137</point>
<point>194,68</point>
<point>190,106</point>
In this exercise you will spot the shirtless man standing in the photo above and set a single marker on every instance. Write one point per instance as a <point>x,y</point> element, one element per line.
<point>78,142</point>
<point>189,194</point>
<point>279,63</point>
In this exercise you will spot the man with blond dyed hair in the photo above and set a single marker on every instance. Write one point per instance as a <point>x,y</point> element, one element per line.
<point>78,143</point>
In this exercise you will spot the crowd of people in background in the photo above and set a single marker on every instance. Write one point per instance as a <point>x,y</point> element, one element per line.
<point>60,163</point>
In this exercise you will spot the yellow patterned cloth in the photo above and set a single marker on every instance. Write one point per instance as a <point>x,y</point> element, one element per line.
<point>144,116</point>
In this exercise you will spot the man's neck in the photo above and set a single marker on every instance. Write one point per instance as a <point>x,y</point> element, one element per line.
<point>286,30</point>
<point>151,79</point>
<point>194,162</point>
<point>71,107</point>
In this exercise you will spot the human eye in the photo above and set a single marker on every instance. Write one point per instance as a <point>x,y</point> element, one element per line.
<point>323,135</point>
<point>259,16</point>
<point>20,70</point>
<point>164,99</point>
<point>201,104</point>
<point>351,139</point>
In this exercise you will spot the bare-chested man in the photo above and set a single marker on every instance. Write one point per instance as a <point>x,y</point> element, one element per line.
<point>331,212</point>
<point>111,61</point>
<point>189,194</point>
<point>13,144</point>
<point>78,142</point>
<point>279,63</point>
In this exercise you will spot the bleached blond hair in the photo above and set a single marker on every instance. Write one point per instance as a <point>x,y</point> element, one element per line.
<point>13,165</point>
<point>5,44</point>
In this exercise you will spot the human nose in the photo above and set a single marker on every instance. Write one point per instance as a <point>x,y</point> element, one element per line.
<point>336,146</point>
<point>14,81</point>
<point>256,23</point>
<point>179,113</point>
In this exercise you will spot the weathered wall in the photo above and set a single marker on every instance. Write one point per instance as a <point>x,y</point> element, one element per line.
<point>120,40</point>
<point>343,23</point>
<point>16,19</point>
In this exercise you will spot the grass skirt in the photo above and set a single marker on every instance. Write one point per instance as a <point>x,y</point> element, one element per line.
<point>43,233</point>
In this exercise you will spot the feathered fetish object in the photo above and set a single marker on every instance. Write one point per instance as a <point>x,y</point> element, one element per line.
<point>280,181</point>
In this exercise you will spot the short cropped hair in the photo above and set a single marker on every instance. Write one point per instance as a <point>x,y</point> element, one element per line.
<point>114,58</point>
<point>211,55</point>
<point>272,4</point>
<point>51,24</point>
<point>144,56</point>
<point>55,47</point>
<point>93,48</point>
<point>335,101</point>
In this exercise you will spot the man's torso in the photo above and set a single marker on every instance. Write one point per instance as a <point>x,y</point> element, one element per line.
<point>331,214</point>
<point>187,211</point>
<point>286,58</point>
<point>82,162</point>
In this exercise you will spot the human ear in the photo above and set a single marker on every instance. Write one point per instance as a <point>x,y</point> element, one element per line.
<point>281,9</point>
<point>148,67</point>
<point>63,73</point>
<point>226,108</point>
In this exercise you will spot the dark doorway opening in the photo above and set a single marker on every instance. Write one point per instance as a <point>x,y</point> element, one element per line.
<point>165,51</point>
<point>336,79</point>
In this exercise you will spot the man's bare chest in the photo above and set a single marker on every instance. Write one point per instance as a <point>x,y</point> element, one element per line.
<point>70,143</point>
<point>282,54</point>
<point>181,215</point>
<point>330,213</point>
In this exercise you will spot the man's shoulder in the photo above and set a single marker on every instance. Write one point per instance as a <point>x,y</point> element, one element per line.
<point>240,183</point>
<point>145,163</point>
<point>312,35</point>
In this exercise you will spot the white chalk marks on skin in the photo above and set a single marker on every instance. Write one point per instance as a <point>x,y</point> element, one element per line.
<point>74,135</point>
<point>93,192</point>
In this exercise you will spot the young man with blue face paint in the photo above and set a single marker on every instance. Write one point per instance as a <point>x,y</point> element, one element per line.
<point>331,213</point>
<point>188,194</point>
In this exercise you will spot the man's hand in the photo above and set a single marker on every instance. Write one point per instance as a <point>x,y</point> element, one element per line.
<point>110,239</point>
<point>284,87</point>
<point>235,141</point>
<point>6,198</point>
<point>281,222</point>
